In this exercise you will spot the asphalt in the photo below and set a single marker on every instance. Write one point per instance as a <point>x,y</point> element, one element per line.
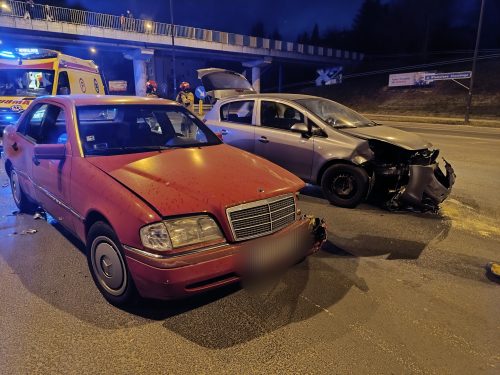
<point>391,293</point>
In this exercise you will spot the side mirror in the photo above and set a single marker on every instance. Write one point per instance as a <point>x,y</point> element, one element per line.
<point>50,152</point>
<point>300,128</point>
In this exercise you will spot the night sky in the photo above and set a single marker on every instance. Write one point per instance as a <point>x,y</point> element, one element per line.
<point>290,17</point>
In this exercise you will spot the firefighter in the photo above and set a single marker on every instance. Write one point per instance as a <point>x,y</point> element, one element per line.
<point>151,88</point>
<point>185,96</point>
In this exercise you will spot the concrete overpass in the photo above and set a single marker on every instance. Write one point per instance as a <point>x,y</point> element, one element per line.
<point>139,38</point>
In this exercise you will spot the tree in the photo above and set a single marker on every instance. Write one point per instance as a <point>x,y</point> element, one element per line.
<point>276,35</point>
<point>315,37</point>
<point>258,29</point>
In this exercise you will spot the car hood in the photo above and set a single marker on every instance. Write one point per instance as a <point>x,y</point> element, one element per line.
<point>406,140</point>
<point>192,180</point>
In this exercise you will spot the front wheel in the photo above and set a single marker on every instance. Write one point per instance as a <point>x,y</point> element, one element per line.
<point>20,199</point>
<point>108,267</point>
<point>345,185</point>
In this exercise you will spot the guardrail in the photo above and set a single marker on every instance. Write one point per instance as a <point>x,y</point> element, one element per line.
<point>50,13</point>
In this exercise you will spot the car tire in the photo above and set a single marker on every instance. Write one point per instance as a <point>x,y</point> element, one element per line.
<point>108,266</point>
<point>345,185</point>
<point>23,203</point>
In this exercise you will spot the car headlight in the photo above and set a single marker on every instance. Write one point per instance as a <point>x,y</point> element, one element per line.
<point>184,231</point>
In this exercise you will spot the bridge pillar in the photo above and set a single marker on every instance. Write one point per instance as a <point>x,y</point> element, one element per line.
<point>256,71</point>
<point>140,58</point>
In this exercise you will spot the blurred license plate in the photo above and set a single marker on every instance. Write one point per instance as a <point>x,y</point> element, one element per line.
<point>275,252</point>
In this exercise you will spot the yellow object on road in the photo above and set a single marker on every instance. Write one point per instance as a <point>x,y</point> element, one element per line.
<point>494,268</point>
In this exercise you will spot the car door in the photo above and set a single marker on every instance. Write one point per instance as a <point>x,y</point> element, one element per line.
<point>275,141</point>
<point>52,177</point>
<point>237,124</point>
<point>19,148</point>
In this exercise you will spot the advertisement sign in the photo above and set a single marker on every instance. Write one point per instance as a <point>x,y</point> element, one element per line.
<point>408,79</point>
<point>117,86</point>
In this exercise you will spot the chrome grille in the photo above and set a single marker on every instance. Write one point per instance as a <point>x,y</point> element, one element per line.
<point>262,217</point>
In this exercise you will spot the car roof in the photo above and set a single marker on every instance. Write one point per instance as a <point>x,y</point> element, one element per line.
<point>283,96</point>
<point>84,100</point>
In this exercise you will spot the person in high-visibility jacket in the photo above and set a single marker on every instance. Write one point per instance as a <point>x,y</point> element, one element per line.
<point>186,98</point>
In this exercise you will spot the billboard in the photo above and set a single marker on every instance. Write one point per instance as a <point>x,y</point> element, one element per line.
<point>117,86</point>
<point>408,79</point>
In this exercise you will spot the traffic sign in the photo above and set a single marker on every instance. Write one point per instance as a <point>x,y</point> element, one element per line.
<point>329,76</point>
<point>200,92</point>
<point>447,76</point>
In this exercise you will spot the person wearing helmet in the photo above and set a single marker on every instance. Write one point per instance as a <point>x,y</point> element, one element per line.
<point>185,96</point>
<point>151,88</point>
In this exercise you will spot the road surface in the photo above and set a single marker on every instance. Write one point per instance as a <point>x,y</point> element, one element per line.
<point>400,293</point>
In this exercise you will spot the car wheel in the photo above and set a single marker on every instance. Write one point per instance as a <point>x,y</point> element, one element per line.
<point>345,185</point>
<point>108,266</point>
<point>20,199</point>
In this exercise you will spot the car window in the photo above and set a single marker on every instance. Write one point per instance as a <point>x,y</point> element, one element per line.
<point>33,123</point>
<point>124,128</point>
<point>63,86</point>
<point>53,126</point>
<point>240,112</point>
<point>279,116</point>
<point>46,125</point>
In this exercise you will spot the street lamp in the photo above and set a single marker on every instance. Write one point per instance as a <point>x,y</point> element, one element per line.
<point>173,48</point>
<point>474,60</point>
<point>92,50</point>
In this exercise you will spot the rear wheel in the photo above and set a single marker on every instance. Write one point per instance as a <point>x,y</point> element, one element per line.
<point>20,199</point>
<point>345,185</point>
<point>108,267</point>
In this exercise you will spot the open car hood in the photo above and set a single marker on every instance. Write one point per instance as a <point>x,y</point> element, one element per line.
<point>221,83</point>
<point>406,140</point>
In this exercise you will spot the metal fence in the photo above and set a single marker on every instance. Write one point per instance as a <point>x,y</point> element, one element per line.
<point>48,13</point>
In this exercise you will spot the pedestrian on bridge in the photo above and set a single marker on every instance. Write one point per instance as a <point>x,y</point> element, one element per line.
<point>29,8</point>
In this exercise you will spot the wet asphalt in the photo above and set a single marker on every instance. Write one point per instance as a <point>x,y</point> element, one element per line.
<point>390,293</point>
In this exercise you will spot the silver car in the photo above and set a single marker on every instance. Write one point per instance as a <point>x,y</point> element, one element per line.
<point>328,144</point>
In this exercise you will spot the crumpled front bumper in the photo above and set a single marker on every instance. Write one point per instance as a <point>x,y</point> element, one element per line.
<point>428,185</point>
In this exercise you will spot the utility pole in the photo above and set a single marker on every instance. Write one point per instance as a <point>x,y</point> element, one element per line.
<point>474,60</point>
<point>172,30</point>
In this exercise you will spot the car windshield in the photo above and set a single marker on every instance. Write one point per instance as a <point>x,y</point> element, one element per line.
<point>122,129</point>
<point>26,82</point>
<point>334,114</point>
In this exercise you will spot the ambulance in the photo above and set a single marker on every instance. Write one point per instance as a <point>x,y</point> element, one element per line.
<point>27,73</point>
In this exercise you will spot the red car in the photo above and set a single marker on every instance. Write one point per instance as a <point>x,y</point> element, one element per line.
<point>164,207</point>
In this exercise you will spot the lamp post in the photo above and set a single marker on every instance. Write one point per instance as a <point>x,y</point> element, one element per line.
<point>474,60</point>
<point>173,48</point>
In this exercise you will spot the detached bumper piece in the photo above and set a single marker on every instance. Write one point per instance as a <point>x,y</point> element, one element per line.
<point>428,186</point>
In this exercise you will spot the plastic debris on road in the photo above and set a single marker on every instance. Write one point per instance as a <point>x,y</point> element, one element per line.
<point>39,216</point>
<point>493,268</point>
<point>26,231</point>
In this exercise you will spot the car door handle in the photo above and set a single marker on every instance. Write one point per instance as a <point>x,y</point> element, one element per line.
<point>14,146</point>
<point>224,132</point>
<point>263,139</point>
<point>35,160</point>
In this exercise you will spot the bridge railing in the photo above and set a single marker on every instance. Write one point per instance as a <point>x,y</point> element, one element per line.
<point>48,13</point>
